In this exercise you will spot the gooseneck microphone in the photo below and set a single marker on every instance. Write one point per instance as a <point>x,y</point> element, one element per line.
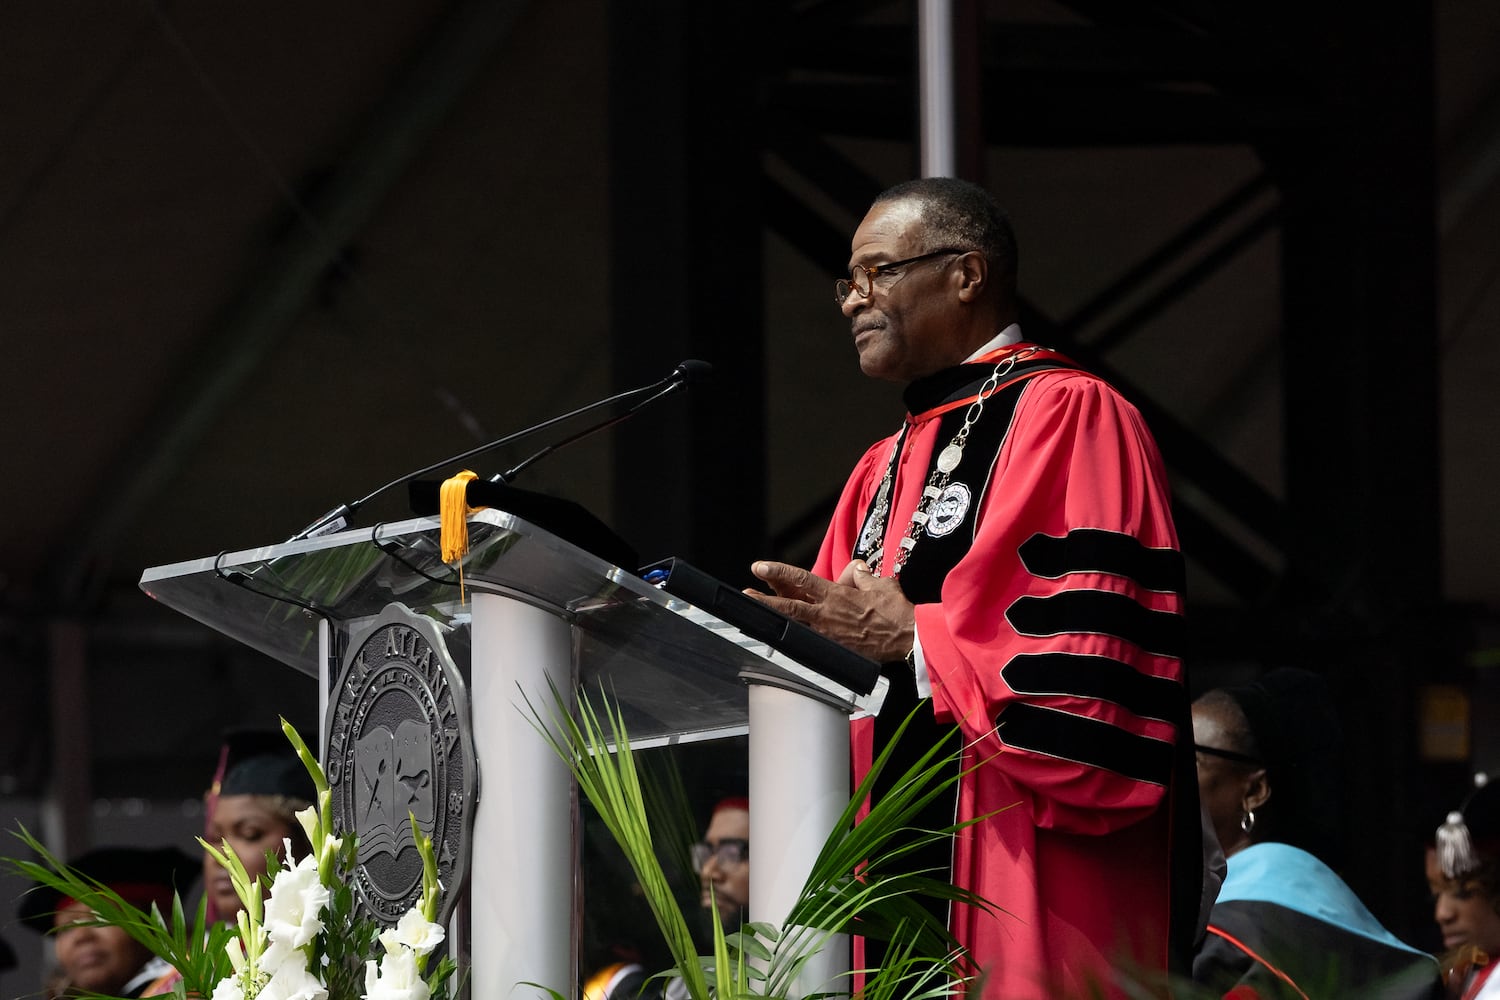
<point>689,372</point>
<point>685,374</point>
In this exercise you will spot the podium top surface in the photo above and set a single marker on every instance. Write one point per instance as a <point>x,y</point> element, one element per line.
<point>677,671</point>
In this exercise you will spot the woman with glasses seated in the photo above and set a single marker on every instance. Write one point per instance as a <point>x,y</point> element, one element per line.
<point>1285,925</point>
<point>722,861</point>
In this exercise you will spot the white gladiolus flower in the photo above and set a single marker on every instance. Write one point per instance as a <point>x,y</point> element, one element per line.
<point>395,978</point>
<point>413,931</point>
<point>292,981</point>
<point>229,988</point>
<point>275,954</point>
<point>294,911</point>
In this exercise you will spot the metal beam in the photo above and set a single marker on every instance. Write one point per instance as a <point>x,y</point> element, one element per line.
<point>1360,385</point>
<point>1227,249</point>
<point>1173,249</point>
<point>1185,452</point>
<point>807,152</point>
<point>686,277</point>
<point>1471,165</point>
<point>803,228</point>
<point>1044,114</point>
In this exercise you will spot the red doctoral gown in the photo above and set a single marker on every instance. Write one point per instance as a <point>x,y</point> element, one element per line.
<point>1052,643</point>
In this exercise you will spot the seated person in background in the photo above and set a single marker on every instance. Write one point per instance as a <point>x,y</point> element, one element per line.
<point>1463,871</point>
<point>107,960</point>
<point>259,787</point>
<point>621,945</point>
<point>1284,925</point>
<point>722,862</point>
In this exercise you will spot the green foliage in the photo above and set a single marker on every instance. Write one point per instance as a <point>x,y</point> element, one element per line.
<point>196,948</point>
<point>337,955</point>
<point>612,784</point>
<point>856,884</point>
<point>669,812</point>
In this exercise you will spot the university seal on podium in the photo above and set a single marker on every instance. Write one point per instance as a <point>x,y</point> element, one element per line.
<point>400,747</point>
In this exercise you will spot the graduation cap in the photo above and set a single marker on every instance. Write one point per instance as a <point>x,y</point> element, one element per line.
<point>139,875</point>
<point>1470,835</point>
<point>261,762</point>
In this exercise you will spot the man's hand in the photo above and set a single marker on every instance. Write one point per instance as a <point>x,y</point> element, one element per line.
<point>867,613</point>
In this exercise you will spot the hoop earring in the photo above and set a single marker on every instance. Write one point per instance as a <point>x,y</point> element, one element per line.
<point>1247,821</point>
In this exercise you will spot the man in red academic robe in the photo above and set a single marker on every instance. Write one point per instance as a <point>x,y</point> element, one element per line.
<point>1010,554</point>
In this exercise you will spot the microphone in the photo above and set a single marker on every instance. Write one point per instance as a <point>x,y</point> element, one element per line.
<point>689,372</point>
<point>692,372</point>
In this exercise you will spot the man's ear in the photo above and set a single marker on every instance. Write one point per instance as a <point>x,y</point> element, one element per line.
<point>972,272</point>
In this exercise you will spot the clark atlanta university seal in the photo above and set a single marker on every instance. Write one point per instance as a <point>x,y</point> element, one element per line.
<point>399,746</point>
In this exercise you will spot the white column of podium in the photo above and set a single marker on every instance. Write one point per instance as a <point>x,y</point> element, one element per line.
<point>799,786</point>
<point>520,901</point>
<point>521,872</point>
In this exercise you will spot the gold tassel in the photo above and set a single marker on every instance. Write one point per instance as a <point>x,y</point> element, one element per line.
<point>453,515</point>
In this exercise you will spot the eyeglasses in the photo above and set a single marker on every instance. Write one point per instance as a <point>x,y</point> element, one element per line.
<point>1238,758</point>
<point>727,852</point>
<point>862,279</point>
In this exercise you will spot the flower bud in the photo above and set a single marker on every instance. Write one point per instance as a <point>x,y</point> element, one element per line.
<point>309,819</point>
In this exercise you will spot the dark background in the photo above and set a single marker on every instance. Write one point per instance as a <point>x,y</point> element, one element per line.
<point>258,259</point>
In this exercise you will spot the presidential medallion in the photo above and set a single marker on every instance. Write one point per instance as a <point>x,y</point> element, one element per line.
<point>948,510</point>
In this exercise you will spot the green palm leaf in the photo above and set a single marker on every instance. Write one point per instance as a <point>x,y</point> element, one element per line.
<point>857,884</point>
<point>196,950</point>
<point>612,785</point>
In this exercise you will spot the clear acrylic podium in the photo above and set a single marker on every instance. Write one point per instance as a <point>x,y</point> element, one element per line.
<point>540,611</point>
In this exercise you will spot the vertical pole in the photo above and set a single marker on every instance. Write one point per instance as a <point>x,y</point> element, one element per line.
<point>70,785</point>
<point>939,146</point>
